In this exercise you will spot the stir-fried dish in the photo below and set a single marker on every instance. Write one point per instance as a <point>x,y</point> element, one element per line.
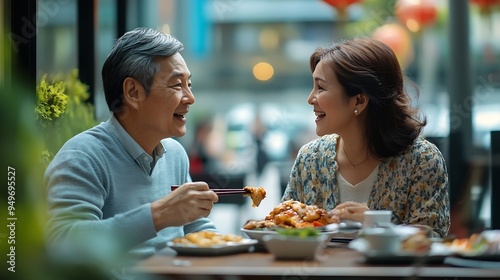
<point>207,239</point>
<point>294,214</point>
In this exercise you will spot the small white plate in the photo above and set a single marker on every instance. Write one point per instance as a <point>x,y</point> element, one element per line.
<point>219,249</point>
<point>435,256</point>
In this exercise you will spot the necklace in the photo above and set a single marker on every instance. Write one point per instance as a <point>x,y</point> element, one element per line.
<point>354,165</point>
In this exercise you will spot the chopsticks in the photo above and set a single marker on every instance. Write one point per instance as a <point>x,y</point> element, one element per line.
<point>222,192</point>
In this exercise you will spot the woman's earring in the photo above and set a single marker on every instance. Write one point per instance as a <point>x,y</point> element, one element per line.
<point>355,111</point>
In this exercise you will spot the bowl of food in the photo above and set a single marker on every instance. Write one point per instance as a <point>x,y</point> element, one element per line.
<point>296,244</point>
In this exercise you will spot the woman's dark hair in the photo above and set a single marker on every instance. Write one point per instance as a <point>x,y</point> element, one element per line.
<point>365,65</point>
<point>134,55</point>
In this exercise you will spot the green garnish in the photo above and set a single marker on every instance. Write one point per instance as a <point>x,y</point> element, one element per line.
<point>300,232</point>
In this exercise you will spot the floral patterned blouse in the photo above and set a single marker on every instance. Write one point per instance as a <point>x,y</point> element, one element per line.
<point>414,185</point>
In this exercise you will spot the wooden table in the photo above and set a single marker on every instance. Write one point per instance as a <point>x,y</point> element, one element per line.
<point>337,263</point>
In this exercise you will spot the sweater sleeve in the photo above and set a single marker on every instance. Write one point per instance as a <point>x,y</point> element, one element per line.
<point>200,224</point>
<point>76,196</point>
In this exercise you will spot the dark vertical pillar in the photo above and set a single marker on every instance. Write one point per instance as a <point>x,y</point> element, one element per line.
<point>86,44</point>
<point>459,89</point>
<point>22,36</point>
<point>121,17</point>
<point>495,179</point>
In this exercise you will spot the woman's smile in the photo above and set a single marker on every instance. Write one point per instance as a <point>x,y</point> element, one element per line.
<point>319,115</point>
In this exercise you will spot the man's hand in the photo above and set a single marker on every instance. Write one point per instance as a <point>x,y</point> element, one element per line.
<point>350,210</point>
<point>184,205</point>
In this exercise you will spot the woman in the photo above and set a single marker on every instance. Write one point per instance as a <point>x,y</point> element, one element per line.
<point>370,155</point>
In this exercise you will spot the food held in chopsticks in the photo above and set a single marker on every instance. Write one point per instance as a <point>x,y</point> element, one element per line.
<point>294,214</point>
<point>207,239</point>
<point>256,194</point>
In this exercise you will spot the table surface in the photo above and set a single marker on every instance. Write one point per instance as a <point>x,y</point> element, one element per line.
<point>336,262</point>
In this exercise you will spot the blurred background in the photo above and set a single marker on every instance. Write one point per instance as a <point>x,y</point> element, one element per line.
<point>251,79</point>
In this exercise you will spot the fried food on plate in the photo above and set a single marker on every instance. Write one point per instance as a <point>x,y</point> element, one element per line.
<point>294,214</point>
<point>207,238</point>
<point>253,224</point>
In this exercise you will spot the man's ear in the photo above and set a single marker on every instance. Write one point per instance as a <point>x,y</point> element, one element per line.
<point>133,92</point>
<point>361,102</point>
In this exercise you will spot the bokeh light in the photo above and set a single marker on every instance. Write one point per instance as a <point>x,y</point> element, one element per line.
<point>269,39</point>
<point>263,71</point>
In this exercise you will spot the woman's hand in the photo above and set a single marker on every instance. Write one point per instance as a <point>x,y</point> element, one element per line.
<point>350,210</point>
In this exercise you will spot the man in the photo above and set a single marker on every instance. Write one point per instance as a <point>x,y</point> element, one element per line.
<point>109,187</point>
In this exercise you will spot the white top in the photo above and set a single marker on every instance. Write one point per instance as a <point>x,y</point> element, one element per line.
<point>359,192</point>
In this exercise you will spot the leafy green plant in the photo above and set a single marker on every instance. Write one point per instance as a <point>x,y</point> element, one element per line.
<point>62,110</point>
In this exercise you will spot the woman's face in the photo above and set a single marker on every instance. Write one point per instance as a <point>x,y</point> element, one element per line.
<point>334,110</point>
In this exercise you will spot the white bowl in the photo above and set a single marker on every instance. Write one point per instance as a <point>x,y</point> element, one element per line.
<point>294,247</point>
<point>382,241</point>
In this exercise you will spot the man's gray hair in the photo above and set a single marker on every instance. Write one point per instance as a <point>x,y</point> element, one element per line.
<point>134,55</point>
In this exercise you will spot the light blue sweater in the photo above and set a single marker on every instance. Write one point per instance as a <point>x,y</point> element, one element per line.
<point>99,188</point>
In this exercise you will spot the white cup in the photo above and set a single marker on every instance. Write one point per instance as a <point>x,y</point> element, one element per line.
<point>382,241</point>
<point>377,217</point>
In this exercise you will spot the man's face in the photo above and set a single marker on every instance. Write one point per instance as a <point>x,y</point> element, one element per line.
<point>163,111</point>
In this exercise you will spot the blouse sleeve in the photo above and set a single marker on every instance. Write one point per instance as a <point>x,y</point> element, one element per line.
<point>428,198</point>
<point>295,183</point>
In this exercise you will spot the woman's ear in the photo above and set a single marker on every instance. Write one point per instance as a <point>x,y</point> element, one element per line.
<point>133,93</point>
<point>361,102</point>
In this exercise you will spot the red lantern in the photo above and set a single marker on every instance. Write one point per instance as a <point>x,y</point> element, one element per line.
<point>485,6</point>
<point>486,3</point>
<point>398,39</point>
<point>341,6</point>
<point>415,14</point>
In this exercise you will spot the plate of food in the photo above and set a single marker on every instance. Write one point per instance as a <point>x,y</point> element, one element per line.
<point>208,243</point>
<point>478,250</point>
<point>483,246</point>
<point>292,215</point>
<point>398,248</point>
